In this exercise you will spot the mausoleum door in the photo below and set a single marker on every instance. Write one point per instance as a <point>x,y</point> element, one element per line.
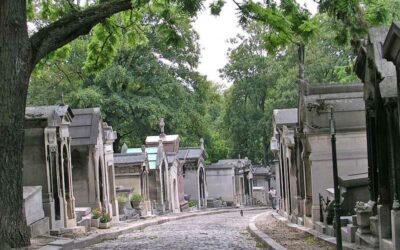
<point>201,187</point>
<point>383,153</point>
<point>55,183</point>
<point>101,185</point>
<point>371,147</point>
<point>67,174</point>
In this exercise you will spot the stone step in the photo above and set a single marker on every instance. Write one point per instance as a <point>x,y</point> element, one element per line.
<point>366,240</point>
<point>71,230</point>
<point>320,227</point>
<point>349,233</point>
<point>81,212</point>
<point>386,244</point>
<point>85,221</point>
<point>40,227</point>
<point>344,220</point>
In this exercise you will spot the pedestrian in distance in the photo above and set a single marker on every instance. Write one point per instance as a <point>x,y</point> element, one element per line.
<point>241,212</point>
<point>272,197</point>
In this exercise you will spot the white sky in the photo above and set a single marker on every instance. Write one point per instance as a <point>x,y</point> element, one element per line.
<point>214,32</point>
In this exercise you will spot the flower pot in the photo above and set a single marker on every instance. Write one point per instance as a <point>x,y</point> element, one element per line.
<point>105,225</point>
<point>121,206</point>
<point>135,204</point>
<point>95,222</point>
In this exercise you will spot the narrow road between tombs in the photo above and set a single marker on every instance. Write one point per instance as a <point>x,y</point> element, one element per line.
<point>218,231</point>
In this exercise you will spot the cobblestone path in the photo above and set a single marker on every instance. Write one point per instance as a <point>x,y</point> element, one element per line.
<point>218,231</point>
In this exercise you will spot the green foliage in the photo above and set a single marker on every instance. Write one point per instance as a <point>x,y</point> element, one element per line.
<point>216,7</point>
<point>286,23</point>
<point>96,213</point>
<point>105,217</point>
<point>122,198</point>
<point>263,82</point>
<point>354,18</point>
<point>140,85</point>
<point>136,198</point>
<point>192,204</point>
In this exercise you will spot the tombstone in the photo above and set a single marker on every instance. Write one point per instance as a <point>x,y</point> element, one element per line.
<point>47,161</point>
<point>92,160</point>
<point>34,213</point>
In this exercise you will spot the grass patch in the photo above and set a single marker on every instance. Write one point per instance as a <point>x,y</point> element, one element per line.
<point>310,240</point>
<point>260,245</point>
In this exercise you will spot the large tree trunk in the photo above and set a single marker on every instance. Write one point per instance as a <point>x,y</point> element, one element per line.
<point>18,56</point>
<point>302,85</point>
<point>14,76</point>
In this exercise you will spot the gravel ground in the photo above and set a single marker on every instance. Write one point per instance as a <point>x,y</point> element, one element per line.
<point>288,237</point>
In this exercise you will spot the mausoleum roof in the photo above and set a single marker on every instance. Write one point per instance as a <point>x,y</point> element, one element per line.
<point>85,126</point>
<point>54,114</point>
<point>190,153</point>
<point>231,163</point>
<point>285,116</point>
<point>157,138</point>
<point>130,158</point>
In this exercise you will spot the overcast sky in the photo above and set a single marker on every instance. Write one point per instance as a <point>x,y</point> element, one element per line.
<point>214,33</point>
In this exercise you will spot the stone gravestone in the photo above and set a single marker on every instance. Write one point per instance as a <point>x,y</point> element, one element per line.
<point>34,212</point>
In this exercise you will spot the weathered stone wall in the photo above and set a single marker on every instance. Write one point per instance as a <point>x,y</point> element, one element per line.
<point>351,155</point>
<point>220,183</point>
<point>34,160</point>
<point>191,184</point>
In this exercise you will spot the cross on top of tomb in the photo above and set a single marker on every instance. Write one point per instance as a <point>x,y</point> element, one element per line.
<point>162,125</point>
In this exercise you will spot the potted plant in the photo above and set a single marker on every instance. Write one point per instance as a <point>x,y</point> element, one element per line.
<point>122,200</point>
<point>96,214</point>
<point>193,205</point>
<point>105,221</point>
<point>135,200</point>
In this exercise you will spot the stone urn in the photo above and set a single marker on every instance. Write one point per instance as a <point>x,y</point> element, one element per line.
<point>95,222</point>
<point>135,204</point>
<point>105,225</point>
<point>363,212</point>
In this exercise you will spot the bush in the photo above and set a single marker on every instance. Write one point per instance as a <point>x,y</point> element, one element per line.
<point>105,217</point>
<point>192,204</point>
<point>96,213</point>
<point>122,198</point>
<point>136,197</point>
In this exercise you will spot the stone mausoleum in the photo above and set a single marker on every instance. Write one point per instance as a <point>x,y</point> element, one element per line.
<point>231,180</point>
<point>377,66</point>
<point>47,162</point>
<point>194,173</point>
<point>92,161</point>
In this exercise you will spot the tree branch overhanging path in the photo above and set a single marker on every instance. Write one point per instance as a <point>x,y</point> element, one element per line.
<point>66,29</point>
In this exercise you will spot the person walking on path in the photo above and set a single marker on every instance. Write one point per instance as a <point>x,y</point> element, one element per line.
<point>272,197</point>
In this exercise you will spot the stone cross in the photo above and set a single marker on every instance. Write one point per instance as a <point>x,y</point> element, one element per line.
<point>202,143</point>
<point>162,125</point>
<point>62,98</point>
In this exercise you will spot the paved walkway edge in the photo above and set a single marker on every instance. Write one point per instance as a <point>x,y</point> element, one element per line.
<point>324,237</point>
<point>68,244</point>
<point>262,237</point>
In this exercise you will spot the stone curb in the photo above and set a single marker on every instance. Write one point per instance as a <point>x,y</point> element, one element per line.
<point>262,237</point>
<point>68,244</point>
<point>324,237</point>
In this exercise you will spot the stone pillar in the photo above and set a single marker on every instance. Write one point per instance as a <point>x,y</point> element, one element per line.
<point>395,222</point>
<point>383,222</point>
